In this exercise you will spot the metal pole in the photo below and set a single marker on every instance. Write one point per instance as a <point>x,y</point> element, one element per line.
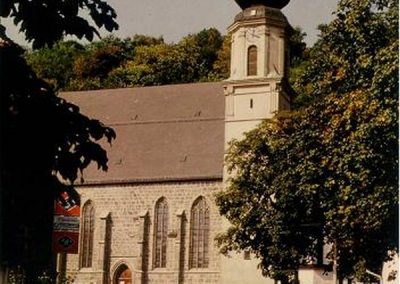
<point>3,274</point>
<point>335,263</point>
<point>61,267</point>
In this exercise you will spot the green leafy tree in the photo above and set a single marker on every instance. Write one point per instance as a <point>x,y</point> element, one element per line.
<point>153,65</point>
<point>98,63</point>
<point>299,56</point>
<point>43,136</point>
<point>107,60</point>
<point>221,67</point>
<point>137,61</point>
<point>71,66</point>
<point>209,42</point>
<point>297,46</point>
<point>104,56</point>
<point>55,65</point>
<point>140,40</point>
<point>190,60</point>
<point>158,63</point>
<point>327,173</point>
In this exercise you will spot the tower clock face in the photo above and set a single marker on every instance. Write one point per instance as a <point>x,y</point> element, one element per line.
<point>251,34</point>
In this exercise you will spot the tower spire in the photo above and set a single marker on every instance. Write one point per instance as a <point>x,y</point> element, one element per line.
<point>278,4</point>
<point>257,86</point>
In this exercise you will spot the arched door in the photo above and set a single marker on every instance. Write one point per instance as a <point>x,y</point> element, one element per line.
<point>123,275</point>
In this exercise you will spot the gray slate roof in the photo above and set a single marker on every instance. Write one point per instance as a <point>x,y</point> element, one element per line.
<point>173,132</point>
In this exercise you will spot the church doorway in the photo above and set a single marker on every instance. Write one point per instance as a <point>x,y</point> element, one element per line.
<point>123,275</point>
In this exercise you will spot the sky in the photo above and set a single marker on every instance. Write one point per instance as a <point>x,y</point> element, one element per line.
<point>174,19</point>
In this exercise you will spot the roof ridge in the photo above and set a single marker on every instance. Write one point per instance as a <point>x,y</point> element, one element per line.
<point>163,121</point>
<point>76,92</point>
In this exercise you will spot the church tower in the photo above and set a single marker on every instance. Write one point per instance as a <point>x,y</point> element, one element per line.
<point>257,88</point>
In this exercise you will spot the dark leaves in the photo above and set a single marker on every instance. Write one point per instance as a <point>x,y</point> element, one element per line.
<point>47,21</point>
<point>44,140</point>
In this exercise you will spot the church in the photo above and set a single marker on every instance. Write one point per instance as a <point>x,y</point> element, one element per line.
<point>151,218</point>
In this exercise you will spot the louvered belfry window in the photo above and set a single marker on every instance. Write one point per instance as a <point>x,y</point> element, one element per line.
<point>199,234</point>
<point>160,233</point>
<point>87,235</point>
<point>252,61</point>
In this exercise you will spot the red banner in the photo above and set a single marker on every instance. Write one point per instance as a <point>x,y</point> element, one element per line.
<point>66,224</point>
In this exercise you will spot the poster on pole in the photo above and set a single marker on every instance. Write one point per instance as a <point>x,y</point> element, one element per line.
<point>66,224</point>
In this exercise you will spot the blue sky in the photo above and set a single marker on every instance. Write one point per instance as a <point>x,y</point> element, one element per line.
<point>174,19</point>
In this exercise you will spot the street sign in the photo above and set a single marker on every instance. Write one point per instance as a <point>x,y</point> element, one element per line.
<point>66,224</point>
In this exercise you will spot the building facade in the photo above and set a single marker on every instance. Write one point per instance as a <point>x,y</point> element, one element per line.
<point>152,217</point>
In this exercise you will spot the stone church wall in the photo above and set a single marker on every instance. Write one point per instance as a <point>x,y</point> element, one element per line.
<point>123,234</point>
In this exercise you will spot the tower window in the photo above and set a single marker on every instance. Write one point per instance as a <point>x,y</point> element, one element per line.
<point>252,61</point>
<point>251,103</point>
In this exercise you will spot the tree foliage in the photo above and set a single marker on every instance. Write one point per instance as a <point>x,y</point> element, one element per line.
<point>44,138</point>
<point>55,65</point>
<point>158,65</point>
<point>137,61</point>
<point>299,56</point>
<point>327,172</point>
<point>190,60</point>
<point>45,22</point>
<point>95,69</point>
<point>222,63</point>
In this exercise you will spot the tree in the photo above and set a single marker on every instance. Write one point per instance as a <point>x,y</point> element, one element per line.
<point>33,18</point>
<point>299,56</point>
<point>210,42</point>
<point>55,65</point>
<point>98,62</point>
<point>43,137</point>
<point>327,172</point>
<point>70,66</point>
<point>221,66</point>
<point>190,60</point>
<point>137,61</point>
<point>152,65</point>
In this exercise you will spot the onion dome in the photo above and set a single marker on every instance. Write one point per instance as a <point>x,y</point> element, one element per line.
<point>279,4</point>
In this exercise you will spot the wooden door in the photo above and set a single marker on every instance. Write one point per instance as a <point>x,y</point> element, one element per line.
<point>123,276</point>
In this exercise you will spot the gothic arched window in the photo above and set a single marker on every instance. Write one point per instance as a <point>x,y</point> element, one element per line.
<point>199,234</point>
<point>252,61</point>
<point>87,235</point>
<point>160,233</point>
